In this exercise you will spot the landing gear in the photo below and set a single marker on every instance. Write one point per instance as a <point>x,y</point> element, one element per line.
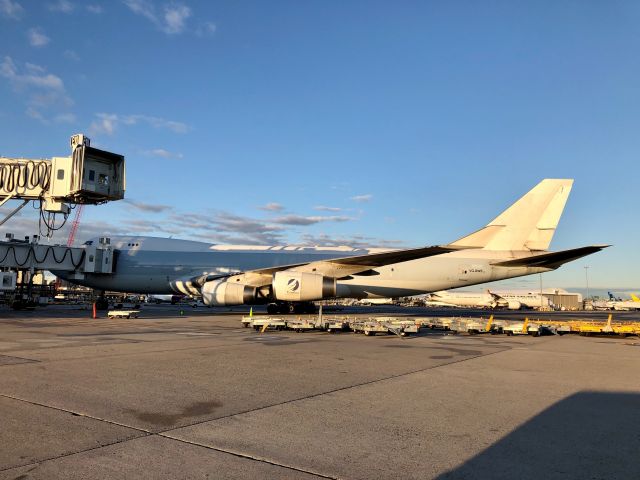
<point>285,308</point>
<point>101,301</point>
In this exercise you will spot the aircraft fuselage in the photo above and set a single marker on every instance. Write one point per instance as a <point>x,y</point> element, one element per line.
<point>151,265</point>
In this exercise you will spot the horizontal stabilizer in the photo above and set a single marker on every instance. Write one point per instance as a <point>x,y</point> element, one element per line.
<point>552,260</point>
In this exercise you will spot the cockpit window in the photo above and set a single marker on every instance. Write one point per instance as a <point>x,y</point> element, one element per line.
<point>88,242</point>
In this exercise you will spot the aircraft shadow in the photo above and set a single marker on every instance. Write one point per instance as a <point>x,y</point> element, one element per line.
<point>589,435</point>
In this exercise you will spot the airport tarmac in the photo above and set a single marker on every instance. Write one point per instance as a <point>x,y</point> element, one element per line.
<point>197,396</point>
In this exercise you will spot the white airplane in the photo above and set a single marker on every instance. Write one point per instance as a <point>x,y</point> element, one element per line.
<point>164,298</point>
<point>489,299</point>
<point>464,299</point>
<point>525,299</point>
<point>514,244</point>
<point>376,301</point>
<point>623,305</point>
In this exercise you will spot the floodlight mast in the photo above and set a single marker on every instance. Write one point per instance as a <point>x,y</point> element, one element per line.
<point>88,176</point>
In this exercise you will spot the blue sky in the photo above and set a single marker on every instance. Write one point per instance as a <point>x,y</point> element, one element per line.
<point>362,123</point>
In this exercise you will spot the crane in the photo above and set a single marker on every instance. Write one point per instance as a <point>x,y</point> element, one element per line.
<point>72,237</point>
<point>74,225</point>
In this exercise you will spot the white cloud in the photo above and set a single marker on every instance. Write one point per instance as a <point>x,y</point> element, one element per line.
<point>171,21</point>
<point>215,226</point>
<point>310,220</point>
<point>65,118</point>
<point>37,38</point>
<point>64,6</point>
<point>156,122</point>
<point>272,207</point>
<point>175,17</point>
<point>362,198</point>
<point>356,241</point>
<point>35,76</point>
<point>162,153</point>
<point>96,9</point>
<point>324,208</point>
<point>206,29</point>
<point>11,9</point>
<point>71,55</point>
<point>35,114</point>
<point>43,90</point>
<point>142,7</point>
<point>229,227</point>
<point>148,207</point>
<point>108,123</point>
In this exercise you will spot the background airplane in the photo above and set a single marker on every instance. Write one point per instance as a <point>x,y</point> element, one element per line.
<point>514,244</point>
<point>489,299</point>
<point>623,305</point>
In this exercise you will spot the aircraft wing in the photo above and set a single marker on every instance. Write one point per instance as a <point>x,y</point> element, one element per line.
<point>335,267</point>
<point>339,267</point>
<point>552,259</point>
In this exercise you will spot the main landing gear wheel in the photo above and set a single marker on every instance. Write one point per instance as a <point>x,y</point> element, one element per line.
<point>284,308</point>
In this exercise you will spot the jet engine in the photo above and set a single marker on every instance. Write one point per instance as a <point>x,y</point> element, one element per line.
<point>514,305</point>
<point>302,286</point>
<point>220,293</point>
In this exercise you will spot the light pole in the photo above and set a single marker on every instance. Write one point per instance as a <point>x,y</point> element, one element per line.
<point>586,276</point>
<point>541,291</point>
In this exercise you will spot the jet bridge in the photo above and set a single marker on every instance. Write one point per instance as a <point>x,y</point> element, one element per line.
<point>88,176</point>
<point>28,254</point>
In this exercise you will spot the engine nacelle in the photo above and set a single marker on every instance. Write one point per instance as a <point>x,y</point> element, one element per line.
<point>302,286</point>
<point>221,292</point>
<point>514,305</point>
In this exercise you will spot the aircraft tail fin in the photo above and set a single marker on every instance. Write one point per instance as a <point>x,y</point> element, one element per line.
<point>634,298</point>
<point>528,224</point>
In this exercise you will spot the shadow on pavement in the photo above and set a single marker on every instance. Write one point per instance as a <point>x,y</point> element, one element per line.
<point>589,435</point>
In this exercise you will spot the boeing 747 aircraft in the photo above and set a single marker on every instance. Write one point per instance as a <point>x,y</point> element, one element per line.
<point>514,244</point>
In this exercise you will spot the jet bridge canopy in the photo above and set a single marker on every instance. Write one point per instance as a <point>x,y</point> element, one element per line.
<point>88,176</point>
